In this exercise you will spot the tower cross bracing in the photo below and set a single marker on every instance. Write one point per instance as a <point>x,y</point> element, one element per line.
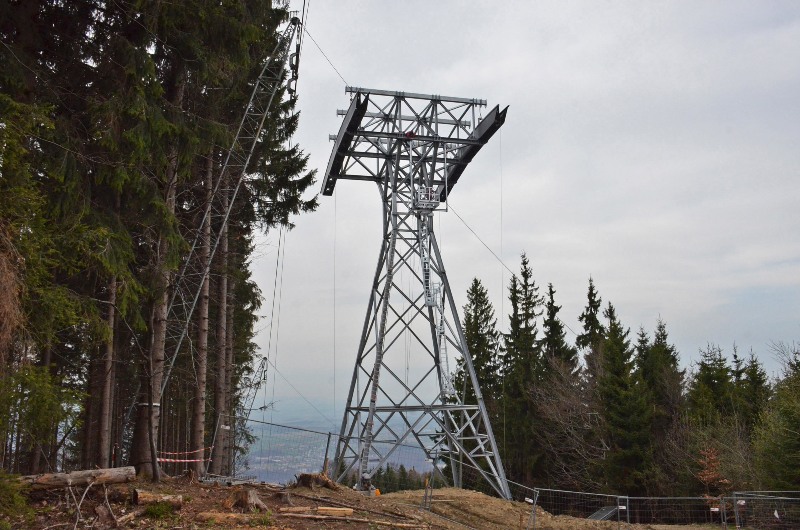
<point>415,147</point>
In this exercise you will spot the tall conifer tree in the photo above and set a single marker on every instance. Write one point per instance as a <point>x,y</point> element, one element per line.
<point>625,412</point>
<point>657,367</point>
<point>522,369</point>
<point>554,343</point>
<point>590,339</point>
<point>483,341</point>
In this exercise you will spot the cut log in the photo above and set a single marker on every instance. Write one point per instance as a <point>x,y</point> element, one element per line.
<point>143,498</point>
<point>385,512</point>
<point>129,517</point>
<point>353,520</point>
<point>222,517</point>
<point>114,475</point>
<point>295,509</point>
<point>248,500</point>
<point>330,510</point>
<point>311,480</point>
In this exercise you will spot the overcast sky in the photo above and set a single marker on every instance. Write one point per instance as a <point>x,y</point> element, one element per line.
<point>654,146</point>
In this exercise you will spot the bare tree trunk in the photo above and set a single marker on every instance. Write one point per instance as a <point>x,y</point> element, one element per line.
<point>199,403</point>
<point>36,464</point>
<point>106,399</point>
<point>146,430</point>
<point>220,392</point>
<point>148,413</point>
<point>228,463</point>
<point>91,412</point>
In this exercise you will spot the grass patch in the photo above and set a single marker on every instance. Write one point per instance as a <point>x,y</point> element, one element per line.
<point>263,520</point>
<point>13,502</point>
<point>159,510</point>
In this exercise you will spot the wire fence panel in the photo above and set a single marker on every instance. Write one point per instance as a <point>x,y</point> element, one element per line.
<point>766,509</point>
<point>752,510</point>
<point>576,504</point>
<point>678,510</point>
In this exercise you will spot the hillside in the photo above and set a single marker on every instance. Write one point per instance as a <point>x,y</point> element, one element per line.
<point>292,508</point>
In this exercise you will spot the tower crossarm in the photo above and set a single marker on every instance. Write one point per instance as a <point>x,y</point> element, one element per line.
<point>443,133</point>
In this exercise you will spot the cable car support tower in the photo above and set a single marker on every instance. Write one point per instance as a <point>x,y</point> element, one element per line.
<point>415,147</point>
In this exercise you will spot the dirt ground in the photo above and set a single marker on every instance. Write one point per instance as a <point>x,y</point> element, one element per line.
<point>450,509</point>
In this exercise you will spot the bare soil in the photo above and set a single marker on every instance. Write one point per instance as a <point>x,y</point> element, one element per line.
<point>450,509</point>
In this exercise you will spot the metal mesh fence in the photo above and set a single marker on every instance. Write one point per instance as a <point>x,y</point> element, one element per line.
<point>678,510</point>
<point>751,510</point>
<point>766,509</point>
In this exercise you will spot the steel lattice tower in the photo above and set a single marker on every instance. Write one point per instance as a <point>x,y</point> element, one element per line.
<point>415,148</point>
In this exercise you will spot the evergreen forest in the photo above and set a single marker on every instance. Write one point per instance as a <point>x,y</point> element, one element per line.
<point>614,412</point>
<point>115,119</point>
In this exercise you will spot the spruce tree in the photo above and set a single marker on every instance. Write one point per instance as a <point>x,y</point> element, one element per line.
<point>522,353</point>
<point>657,365</point>
<point>554,343</point>
<point>625,412</point>
<point>776,442</point>
<point>752,390</point>
<point>711,387</point>
<point>483,341</point>
<point>522,370</point>
<point>593,332</point>
<point>662,384</point>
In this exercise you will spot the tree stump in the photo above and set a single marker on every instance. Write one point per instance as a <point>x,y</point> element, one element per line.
<point>285,497</point>
<point>313,480</point>
<point>248,500</point>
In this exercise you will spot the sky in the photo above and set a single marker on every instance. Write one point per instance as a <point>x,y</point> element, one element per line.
<point>654,146</point>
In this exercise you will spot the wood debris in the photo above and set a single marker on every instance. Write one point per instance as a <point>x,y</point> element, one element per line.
<point>314,480</point>
<point>114,475</point>
<point>143,498</point>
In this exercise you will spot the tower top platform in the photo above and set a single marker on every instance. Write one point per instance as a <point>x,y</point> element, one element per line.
<point>441,133</point>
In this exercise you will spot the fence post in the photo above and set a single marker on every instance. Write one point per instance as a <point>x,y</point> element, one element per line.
<point>723,512</point>
<point>620,508</point>
<point>532,519</point>
<point>325,461</point>
<point>213,441</point>
<point>426,497</point>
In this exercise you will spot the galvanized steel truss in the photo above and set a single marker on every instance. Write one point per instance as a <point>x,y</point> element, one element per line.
<point>415,147</point>
<point>187,284</point>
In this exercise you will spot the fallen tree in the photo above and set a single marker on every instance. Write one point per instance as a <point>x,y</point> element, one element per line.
<point>114,475</point>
